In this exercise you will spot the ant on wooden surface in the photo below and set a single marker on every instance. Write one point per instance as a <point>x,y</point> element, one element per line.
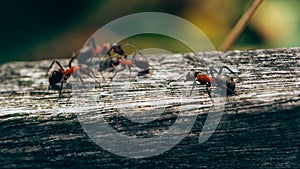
<point>91,50</point>
<point>224,83</point>
<point>61,75</point>
<point>109,61</point>
<point>126,63</point>
<point>122,60</point>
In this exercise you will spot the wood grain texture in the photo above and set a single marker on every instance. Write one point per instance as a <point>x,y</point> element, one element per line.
<point>260,126</point>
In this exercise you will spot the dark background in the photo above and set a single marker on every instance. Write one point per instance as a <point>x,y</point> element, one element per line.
<point>35,30</point>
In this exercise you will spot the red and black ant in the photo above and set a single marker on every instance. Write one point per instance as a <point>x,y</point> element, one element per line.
<point>142,64</point>
<point>85,55</point>
<point>61,75</point>
<point>110,61</point>
<point>224,83</point>
<point>122,59</point>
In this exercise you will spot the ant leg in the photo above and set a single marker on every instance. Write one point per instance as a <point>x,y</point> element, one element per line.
<point>193,86</point>
<point>77,75</point>
<point>55,61</point>
<point>92,75</point>
<point>117,71</point>
<point>48,88</point>
<point>212,70</point>
<point>129,68</point>
<point>102,75</point>
<point>97,82</point>
<point>133,57</point>
<point>220,71</point>
<point>231,72</point>
<point>114,75</point>
<point>209,93</point>
<point>81,81</point>
<point>134,46</point>
<point>92,43</point>
<point>181,77</point>
<point>131,44</point>
<point>60,90</point>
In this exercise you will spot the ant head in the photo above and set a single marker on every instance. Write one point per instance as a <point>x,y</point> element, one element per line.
<point>55,77</point>
<point>118,49</point>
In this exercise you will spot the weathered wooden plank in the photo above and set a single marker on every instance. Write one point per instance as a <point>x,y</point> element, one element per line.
<point>260,127</point>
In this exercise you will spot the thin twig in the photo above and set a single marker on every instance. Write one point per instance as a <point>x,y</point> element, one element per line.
<point>240,26</point>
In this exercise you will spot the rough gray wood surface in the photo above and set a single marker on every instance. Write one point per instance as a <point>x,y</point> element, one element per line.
<point>260,126</point>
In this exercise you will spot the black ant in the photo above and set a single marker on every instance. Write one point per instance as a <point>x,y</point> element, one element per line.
<point>61,75</point>
<point>224,83</point>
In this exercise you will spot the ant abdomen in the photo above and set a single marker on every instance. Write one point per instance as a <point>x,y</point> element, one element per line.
<point>141,64</point>
<point>55,77</point>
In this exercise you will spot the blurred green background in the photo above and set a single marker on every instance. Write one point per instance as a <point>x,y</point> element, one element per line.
<point>35,30</point>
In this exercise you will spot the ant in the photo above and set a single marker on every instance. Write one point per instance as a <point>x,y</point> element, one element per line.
<point>91,50</point>
<point>121,59</point>
<point>224,83</point>
<point>61,75</point>
<point>110,61</point>
<point>142,64</point>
